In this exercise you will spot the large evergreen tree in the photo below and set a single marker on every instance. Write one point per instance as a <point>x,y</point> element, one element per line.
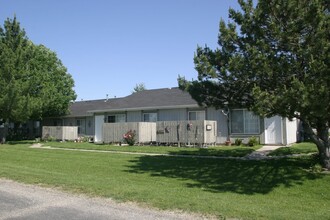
<point>274,59</point>
<point>34,83</point>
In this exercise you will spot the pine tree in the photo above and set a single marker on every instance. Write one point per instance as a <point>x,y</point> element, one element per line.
<point>139,87</point>
<point>273,59</point>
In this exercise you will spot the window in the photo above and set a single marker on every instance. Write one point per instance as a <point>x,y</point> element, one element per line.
<point>150,117</point>
<point>244,122</point>
<point>237,121</point>
<point>37,124</point>
<point>251,124</point>
<point>196,115</point>
<point>81,126</point>
<point>111,119</point>
<point>116,118</point>
<point>121,118</point>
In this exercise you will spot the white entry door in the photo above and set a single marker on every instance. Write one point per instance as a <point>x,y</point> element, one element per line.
<point>99,121</point>
<point>273,130</point>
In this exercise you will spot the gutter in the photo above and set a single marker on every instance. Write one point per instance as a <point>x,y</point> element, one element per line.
<point>145,108</point>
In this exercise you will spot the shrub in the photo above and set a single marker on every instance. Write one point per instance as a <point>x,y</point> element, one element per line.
<point>84,139</point>
<point>48,138</point>
<point>238,141</point>
<point>316,168</point>
<point>129,137</point>
<point>252,141</point>
<point>17,134</point>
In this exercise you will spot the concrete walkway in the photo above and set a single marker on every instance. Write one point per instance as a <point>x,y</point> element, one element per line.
<point>262,152</point>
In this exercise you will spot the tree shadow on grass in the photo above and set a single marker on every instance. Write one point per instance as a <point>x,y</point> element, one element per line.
<point>228,175</point>
<point>236,152</point>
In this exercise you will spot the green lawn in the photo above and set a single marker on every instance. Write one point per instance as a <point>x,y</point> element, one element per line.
<point>224,151</point>
<point>269,189</point>
<point>299,148</point>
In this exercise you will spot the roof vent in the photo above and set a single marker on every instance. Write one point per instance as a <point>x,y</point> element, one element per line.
<point>107,98</point>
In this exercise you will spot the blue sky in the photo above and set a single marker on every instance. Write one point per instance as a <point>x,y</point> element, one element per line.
<point>109,46</point>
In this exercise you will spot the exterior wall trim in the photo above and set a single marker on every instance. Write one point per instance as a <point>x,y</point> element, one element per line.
<point>144,108</point>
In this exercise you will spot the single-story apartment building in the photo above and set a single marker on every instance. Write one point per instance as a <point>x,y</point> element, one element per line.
<point>172,104</point>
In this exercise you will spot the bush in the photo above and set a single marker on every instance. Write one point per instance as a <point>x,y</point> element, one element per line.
<point>252,141</point>
<point>84,139</point>
<point>49,139</point>
<point>17,134</point>
<point>238,141</point>
<point>129,137</point>
<point>316,168</point>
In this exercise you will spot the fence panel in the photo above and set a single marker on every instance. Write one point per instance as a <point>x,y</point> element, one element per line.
<point>187,132</point>
<point>114,132</point>
<point>60,132</point>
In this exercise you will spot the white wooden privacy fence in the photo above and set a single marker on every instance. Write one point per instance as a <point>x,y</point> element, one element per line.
<point>187,132</point>
<point>163,132</point>
<point>114,132</point>
<point>60,132</point>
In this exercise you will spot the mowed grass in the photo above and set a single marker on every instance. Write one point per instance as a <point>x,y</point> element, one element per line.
<point>220,151</point>
<point>298,148</point>
<point>231,188</point>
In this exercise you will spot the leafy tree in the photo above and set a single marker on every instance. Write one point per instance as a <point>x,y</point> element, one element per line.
<point>139,87</point>
<point>52,85</point>
<point>274,59</point>
<point>34,83</point>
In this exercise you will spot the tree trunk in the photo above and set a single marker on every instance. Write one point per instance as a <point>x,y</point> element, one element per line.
<point>325,157</point>
<point>324,154</point>
<point>321,139</point>
<point>5,133</point>
<point>323,134</point>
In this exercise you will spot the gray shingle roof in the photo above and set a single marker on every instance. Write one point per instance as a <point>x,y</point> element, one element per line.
<point>147,99</point>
